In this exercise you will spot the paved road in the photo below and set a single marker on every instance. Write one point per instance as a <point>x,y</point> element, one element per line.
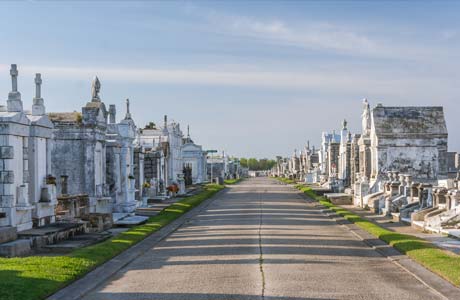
<point>260,240</point>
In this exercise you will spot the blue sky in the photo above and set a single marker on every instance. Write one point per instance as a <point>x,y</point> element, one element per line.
<point>256,78</point>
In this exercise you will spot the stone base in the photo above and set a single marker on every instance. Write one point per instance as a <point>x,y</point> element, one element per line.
<point>44,214</point>
<point>25,226</point>
<point>99,222</point>
<point>8,234</point>
<point>128,207</point>
<point>51,234</point>
<point>15,248</point>
<point>24,217</point>
<point>102,205</point>
<point>339,198</point>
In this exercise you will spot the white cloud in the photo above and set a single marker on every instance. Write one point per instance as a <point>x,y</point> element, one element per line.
<point>365,40</point>
<point>365,82</point>
<point>311,36</point>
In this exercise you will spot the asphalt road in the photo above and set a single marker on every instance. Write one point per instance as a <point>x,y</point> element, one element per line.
<point>261,240</point>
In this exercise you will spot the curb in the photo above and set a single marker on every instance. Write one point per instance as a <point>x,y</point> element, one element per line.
<point>79,288</point>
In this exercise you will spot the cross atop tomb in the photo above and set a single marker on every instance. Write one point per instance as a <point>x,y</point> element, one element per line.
<point>38,108</point>
<point>38,85</point>
<point>14,77</point>
<point>14,103</point>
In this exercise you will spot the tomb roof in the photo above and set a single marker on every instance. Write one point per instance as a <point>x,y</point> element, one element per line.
<point>403,120</point>
<point>65,117</point>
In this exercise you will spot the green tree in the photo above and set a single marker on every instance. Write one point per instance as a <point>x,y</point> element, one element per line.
<point>255,164</point>
<point>244,162</point>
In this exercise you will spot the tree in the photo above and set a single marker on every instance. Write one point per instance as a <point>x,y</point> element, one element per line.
<point>244,162</point>
<point>255,164</point>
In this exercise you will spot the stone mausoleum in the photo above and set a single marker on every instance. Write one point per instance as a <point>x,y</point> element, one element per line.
<point>120,161</point>
<point>79,154</point>
<point>195,158</point>
<point>27,198</point>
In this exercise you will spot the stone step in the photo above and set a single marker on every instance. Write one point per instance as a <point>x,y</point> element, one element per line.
<point>8,234</point>
<point>147,211</point>
<point>78,241</point>
<point>15,248</point>
<point>132,221</point>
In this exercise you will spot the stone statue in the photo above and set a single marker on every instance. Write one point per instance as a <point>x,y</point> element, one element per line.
<point>95,88</point>
<point>128,113</point>
<point>344,124</point>
<point>366,119</point>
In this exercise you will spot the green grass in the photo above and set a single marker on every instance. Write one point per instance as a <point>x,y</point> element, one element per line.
<point>285,180</point>
<point>232,181</point>
<point>441,262</point>
<point>35,277</point>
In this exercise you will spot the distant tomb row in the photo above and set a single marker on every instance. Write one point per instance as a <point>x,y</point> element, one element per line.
<point>399,165</point>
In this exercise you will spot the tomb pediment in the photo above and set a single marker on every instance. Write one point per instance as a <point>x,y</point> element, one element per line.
<point>42,121</point>
<point>191,147</point>
<point>94,113</point>
<point>14,117</point>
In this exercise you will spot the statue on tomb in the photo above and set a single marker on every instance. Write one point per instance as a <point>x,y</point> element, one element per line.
<point>95,88</point>
<point>366,119</point>
<point>128,113</point>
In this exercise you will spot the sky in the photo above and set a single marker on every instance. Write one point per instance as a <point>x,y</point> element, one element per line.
<point>253,78</point>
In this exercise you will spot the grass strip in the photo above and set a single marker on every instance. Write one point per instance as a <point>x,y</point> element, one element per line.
<point>444,263</point>
<point>36,277</point>
<point>285,180</point>
<point>232,181</point>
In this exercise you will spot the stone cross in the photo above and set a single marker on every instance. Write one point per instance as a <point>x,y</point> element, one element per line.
<point>14,103</point>
<point>38,83</point>
<point>14,77</point>
<point>38,108</point>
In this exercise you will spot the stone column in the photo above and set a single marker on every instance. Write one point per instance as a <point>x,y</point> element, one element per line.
<point>112,114</point>
<point>407,189</point>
